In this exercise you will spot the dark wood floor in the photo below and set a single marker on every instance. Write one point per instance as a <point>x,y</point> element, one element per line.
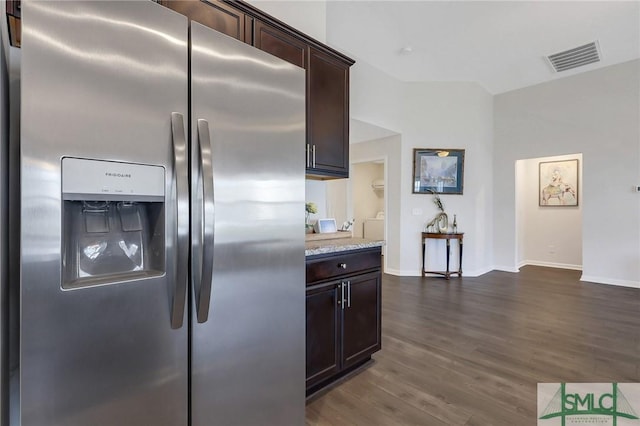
<point>471,351</point>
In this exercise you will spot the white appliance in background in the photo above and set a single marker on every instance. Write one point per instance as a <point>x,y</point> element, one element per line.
<point>158,252</point>
<point>374,228</point>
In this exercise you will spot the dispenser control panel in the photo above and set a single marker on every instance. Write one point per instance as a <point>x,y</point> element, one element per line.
<point>84,179</point>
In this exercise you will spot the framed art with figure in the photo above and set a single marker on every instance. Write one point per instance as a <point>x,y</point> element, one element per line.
<point>438,171</point>
<point>558,183</point>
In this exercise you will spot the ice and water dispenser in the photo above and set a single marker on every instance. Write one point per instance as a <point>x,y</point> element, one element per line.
<point>113,222</point>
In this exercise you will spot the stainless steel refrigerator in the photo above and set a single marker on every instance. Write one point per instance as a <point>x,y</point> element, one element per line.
<point>161,276</point>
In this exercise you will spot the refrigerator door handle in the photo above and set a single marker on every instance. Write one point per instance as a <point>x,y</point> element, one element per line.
<point>313,152</point>
<point>182,219</point>
<point>208,214</point>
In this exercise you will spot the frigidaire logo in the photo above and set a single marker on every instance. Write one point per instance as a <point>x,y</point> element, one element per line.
<point>588,403</point>
<point>120,175</point>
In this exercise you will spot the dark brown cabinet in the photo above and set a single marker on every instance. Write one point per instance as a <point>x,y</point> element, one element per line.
<point>327,115</point>
<point>323,357</point>
<point>361,319</point>
<point>214,14</point>
<point>343,314</point>
<point>279,43</point>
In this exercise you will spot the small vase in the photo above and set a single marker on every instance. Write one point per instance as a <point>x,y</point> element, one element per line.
<point>442,223</point>
<point>308,229</point>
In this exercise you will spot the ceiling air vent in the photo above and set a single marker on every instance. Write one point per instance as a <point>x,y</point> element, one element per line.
<point>576,57</point>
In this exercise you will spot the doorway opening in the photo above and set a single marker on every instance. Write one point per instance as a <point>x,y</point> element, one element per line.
<point>549,211</point>
<point>368,198</point>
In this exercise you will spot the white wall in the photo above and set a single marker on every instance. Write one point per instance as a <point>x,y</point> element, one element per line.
<point>428,115</point>
<point>337,195</point>
<point>595,113</point>
<point>548,236</point>
<point>308,16</point>
<point>375,97</point>
<point>448,115</point>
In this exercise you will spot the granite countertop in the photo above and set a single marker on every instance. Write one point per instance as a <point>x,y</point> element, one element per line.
<point>339,245</point>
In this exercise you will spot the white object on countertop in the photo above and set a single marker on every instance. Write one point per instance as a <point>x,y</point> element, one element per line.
<point>348,225</point>
<point>323,226</point>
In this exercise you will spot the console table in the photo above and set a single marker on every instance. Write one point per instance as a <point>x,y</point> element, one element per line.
<point>442,236</point>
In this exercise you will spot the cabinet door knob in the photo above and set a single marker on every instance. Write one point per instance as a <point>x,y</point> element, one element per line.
<point>342,265</point>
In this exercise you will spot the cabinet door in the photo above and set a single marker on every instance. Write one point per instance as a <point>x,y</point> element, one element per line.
<point>361,333</point>
<point>327,115</point>
<point>279,43</point>
<point>213,14</point>
<point>323,311</point>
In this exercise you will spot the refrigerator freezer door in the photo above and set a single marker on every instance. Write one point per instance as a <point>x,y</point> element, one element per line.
<point>99,80</point>
<point>248,359</point>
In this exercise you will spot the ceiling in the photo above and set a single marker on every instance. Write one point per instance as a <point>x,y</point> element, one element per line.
<point>501,45</point>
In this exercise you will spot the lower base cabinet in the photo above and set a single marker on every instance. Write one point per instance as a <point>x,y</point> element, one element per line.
<point>323,318</point>
<point>343,314</point>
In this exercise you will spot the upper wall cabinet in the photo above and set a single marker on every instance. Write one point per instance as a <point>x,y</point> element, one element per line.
<point>280,43</point>
<point>215,14</point>
<point>327,115</point>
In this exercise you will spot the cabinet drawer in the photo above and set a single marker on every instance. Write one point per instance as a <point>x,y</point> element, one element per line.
<point>342,264</point>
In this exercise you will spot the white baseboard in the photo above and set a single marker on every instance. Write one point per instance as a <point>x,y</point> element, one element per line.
<point>610,281</point>
<point>550,265</point>
<point>505,268</point>
<point>399,273</point>
<point>477,272</point>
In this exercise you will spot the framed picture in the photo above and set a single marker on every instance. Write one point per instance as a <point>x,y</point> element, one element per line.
<point>558,183</point>
<point>438,171</point>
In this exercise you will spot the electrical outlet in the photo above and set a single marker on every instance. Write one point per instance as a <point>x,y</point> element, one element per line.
<point>417,212</point>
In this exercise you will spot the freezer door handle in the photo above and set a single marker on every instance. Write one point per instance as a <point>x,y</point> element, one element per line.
<point>182,219</point>
<point>208,215</point>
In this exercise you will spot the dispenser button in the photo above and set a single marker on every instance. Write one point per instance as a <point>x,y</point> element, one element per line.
<point>105,189</point>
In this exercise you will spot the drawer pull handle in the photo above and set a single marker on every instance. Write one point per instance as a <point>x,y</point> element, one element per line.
<point>342,265</point>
